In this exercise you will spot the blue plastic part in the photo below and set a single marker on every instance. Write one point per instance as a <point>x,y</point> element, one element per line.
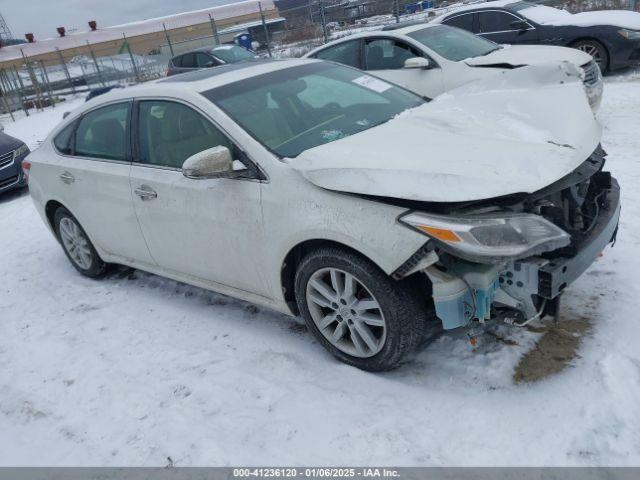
<point>459,310</point>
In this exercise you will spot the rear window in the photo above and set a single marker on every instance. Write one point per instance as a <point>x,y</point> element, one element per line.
<point>347,53</point>
<point>464,21</point>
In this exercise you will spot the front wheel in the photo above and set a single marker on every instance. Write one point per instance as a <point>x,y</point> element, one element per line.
<point>596,50</point>
<point>77,246</point>
<point>357,312</point>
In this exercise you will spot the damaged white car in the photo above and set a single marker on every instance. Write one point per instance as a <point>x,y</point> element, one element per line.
<point>314,189</point>
<point>432,59</point>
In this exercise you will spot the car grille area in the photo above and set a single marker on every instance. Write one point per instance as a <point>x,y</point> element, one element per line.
<point>592,75</point>
<point>9,181</point>
<point>6,159</point>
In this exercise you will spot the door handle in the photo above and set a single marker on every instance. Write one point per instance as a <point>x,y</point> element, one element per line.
<point>145,192</point>
<point>67,178</point>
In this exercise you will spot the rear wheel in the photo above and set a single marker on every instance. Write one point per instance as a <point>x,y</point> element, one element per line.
<point>357,312</point>
<point>596,50</point>
<point>77,246</point>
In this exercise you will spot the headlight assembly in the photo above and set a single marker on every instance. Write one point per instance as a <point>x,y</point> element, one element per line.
<point>21,150</point>
<point>490,238</point>
<point>630,34</point>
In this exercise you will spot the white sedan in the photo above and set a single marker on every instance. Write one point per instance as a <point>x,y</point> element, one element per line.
<point>432,59</point>
<point>315,189</point>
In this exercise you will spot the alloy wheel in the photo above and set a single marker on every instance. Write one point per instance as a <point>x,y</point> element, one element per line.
<point>75,243</point>
<point>346,312</point>
<point>592,50</point>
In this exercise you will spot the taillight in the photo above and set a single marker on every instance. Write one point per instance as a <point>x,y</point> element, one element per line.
<point>168,72</point>
<point>26,168</point>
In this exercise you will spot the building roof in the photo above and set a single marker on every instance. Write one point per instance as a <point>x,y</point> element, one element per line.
<point>153,25</point>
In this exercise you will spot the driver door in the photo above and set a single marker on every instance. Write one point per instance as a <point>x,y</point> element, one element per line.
<point>208,229</point>
<point>385,57</point>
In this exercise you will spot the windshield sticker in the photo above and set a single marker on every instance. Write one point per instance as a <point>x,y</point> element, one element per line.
<point>372,83</point>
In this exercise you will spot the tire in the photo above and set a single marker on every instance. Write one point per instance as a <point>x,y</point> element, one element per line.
<point>396,327</point>
<point>83,257</point>
<point>596,50</point>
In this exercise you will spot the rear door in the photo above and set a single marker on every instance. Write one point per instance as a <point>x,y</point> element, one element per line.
<point>188,62</point>
<point>203,228</point>
<point>385,57</point>
<point>497,25</point>
<point>94,180</point>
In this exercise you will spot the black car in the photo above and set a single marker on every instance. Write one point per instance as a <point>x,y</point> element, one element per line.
<point>12,152</point>
<point>612,38</point>
<point>208,57</point>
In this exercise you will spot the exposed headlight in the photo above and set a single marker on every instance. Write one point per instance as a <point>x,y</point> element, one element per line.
<point>22,149</point>
<point>490,238</point>
<point>630,34</point>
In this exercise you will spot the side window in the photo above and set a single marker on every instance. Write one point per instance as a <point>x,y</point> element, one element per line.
<point>495,21</point>
<point>464,21</point>
<point>177,61</point>
<point>171,132</point>
<point>102,133</point>
<point>387,54</point>
<point>347,53</point>
<point>189,60</point>
<point>62,141</point>
<point>204,60</point>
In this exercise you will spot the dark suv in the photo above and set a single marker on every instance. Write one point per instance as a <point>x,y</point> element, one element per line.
<point>208,57</point>
<point>12,152</point>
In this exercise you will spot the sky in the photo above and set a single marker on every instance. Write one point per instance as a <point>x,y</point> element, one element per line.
<point>42,17</point>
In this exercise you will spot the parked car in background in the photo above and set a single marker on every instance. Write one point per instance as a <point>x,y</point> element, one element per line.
<point>611,37</point>
<point>208,57</point>
<point>12,153</point>
<point>432,59</point>
<point>316,189</point>
<point>95,92</point>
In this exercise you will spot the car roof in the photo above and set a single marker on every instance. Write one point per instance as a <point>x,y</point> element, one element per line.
<point>211,48</point>
<point>205,79</point>
<point>398,31</point>
<point>477,6</point>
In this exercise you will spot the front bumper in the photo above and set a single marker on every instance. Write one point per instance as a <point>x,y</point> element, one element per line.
<point>11,175</point>
<point>546,278</point>
<point>465,291</point>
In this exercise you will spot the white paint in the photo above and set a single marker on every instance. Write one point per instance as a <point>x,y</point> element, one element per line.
<point>450,74</point>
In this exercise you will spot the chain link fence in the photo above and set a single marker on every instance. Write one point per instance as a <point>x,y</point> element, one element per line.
<point>291,31</point>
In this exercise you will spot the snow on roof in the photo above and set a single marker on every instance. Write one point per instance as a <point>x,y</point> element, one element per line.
<point>553,16</point>
<point>132,29</point>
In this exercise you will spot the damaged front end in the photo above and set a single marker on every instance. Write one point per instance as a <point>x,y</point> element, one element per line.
<point>510,258</point>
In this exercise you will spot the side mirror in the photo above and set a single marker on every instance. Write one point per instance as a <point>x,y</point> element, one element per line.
<point>520,25</point>
<point>416,62</point>
<point>211,163</point>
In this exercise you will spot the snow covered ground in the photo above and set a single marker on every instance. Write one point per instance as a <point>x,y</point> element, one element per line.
<point>134,369</point>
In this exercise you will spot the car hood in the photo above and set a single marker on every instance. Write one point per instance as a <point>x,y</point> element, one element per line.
<point>7,142</point>
<point>515,132</point>
<point>519,55</point>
